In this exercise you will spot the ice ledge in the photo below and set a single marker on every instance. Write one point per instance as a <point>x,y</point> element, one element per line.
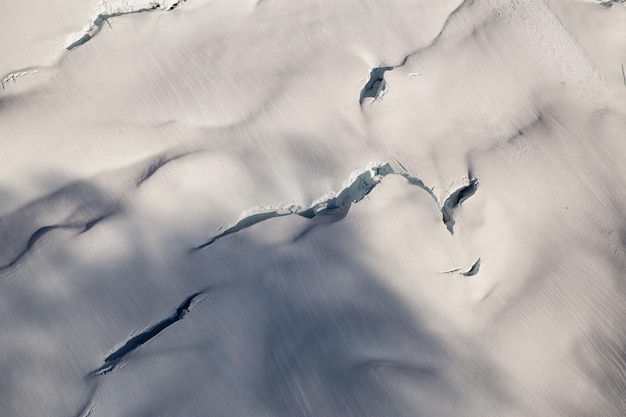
<point>336,205</point>
<point>106,10</point>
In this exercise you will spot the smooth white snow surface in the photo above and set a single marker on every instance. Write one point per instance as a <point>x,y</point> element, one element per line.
<point>313,208</point>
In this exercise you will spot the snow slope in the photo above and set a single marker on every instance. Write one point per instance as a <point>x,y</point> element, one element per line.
<point>313,208</point>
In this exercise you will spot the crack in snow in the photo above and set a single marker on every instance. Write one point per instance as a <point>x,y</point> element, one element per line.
<point>456,199</point>
<point>469,273</point>
<point>135,342</point>
<point>336,206</point>
<point>91,402</point>
<point>13,76</point>
<point>376,86</point>
<point>358,187</point>
<point>473,270</point>
<point>610,3</point>
<point>108,9</point>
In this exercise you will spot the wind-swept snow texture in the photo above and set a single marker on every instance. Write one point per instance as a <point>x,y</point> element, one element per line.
<point>191,223</point>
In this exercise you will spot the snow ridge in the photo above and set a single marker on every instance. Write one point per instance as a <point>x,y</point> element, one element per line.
<point>42,231</point>
<point>86,215</point>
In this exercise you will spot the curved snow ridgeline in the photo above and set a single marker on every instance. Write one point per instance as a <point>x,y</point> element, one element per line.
<point>189,226</point>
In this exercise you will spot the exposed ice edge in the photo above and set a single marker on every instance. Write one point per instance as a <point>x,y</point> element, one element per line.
<point>610,3</point>
<point>473,270</point>
<point>361,182</point>
<point>376,86</point>
<point>107,9</point>
<point>456,199</point>
<point>13,76</point>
